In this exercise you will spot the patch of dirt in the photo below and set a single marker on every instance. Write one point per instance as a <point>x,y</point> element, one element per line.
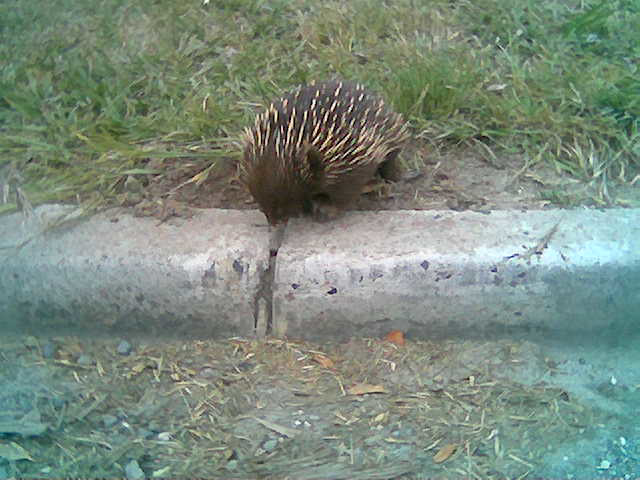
<point>367,409</point>
<point>460,180</point>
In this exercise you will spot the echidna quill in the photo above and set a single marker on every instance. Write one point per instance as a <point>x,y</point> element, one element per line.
<point>314,150</point>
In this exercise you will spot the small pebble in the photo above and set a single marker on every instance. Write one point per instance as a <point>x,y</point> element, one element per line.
<point>244,366</point>
<point>270,444</point>
<point>48,350</point>
<point>209,373</point>
<point>124,348</point>
<point>132,184</point>
<point>133,470</point>
<point>109,420</point>
<point>84,359</point>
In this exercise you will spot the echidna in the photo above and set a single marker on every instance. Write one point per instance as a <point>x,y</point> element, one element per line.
<point>314,150</point>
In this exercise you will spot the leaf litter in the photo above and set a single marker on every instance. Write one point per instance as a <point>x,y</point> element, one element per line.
<point>242,408</point>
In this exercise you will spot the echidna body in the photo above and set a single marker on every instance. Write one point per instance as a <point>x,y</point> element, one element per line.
<point>313,151</point>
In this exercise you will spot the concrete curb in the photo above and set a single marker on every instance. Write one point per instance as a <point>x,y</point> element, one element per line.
<point>425,272</point>
<point>460,273</point>
<point>118,273</point>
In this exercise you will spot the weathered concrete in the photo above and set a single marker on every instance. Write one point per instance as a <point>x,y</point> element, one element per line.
<point>459,273</point>
<point>427,273</point>
<point>117,273</point>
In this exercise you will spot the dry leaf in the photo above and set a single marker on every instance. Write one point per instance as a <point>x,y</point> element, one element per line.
<point>162,473</point>
<point>323,360</point>
<point>281,429</point>
<point>139,367</point>
<point>381,417</point>
<point>496,87</point>
<point>445,452</point>
<point>395,336</point>
<point>362,388</point>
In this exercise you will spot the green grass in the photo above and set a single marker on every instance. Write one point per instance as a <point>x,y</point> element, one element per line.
<point>90,91</point>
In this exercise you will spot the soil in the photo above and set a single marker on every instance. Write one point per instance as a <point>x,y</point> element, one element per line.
<point>457,180</point>
<point>365,409</point>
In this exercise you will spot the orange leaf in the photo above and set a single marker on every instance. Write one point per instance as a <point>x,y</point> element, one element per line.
<point>445,452</point>
<point>395,336</point>
<point>323,360</point>
<point>362,388</point>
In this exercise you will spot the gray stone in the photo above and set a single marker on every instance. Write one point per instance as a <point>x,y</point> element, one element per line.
<point>133,471</point>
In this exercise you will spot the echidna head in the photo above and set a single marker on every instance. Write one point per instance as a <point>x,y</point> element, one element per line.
<point>277,186</point>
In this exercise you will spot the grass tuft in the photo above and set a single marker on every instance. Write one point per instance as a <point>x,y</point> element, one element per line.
<point>92,92</point>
